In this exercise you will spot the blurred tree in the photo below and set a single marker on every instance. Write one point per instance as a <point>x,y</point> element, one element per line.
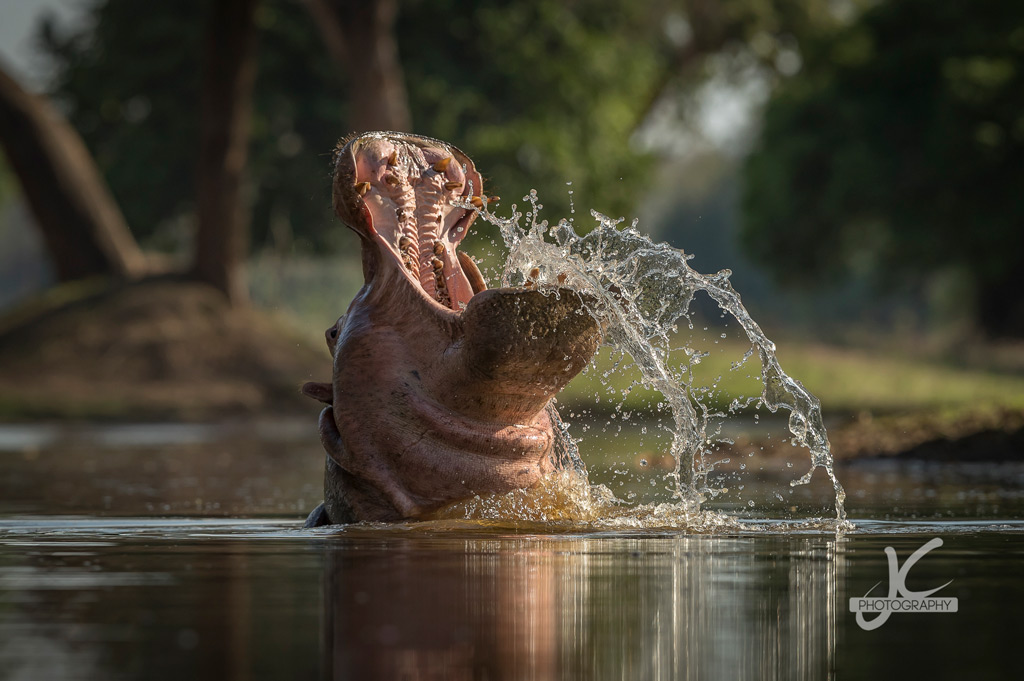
<point>81,224</point>
<point>898,153</point>
<point>129,80</point>
<point>222,228</point>
<point>360,38</point>
<point>539,92</point>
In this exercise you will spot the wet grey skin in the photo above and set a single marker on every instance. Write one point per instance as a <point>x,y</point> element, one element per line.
<point>441,387</point>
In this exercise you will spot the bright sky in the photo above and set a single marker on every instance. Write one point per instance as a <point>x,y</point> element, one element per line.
<point>18,21</point>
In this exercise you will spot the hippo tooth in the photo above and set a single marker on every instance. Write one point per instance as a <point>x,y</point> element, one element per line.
<point>452,184</point>
<point>438,248</point>
<point>477,201</point>
<point>442,165</point>
<point>393,158</point>
<point>472,272</point>
<point>392,180</point>
<point>362,188</point>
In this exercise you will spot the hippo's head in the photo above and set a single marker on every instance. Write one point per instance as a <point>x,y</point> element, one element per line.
<point>441,386</point>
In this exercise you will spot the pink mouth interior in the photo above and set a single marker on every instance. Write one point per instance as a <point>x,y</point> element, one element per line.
<point>409,194</point>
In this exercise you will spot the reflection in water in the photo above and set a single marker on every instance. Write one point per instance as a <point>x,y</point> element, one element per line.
<point>147,600</point>
<point>542,607</point>
<point>203,599</point>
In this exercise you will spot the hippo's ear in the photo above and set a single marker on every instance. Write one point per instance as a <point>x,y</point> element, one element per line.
<point>322,392</point>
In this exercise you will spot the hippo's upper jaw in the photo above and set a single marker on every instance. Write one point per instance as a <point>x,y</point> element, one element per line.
<point>440,387</point>
<point>396,192</point>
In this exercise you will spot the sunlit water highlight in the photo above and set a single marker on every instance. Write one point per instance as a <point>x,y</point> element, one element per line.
<point>641,291</point>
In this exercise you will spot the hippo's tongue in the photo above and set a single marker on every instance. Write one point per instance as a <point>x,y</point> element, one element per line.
<point>396,191</point>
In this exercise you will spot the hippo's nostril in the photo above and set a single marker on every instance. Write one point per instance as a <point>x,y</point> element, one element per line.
<point>333,332</point>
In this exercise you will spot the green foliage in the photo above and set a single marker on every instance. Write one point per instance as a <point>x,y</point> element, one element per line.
<point>133,124</point>
<point>845,380</point>
<point>898,152</point>
<point>538,93</point>
<point>129,81</point>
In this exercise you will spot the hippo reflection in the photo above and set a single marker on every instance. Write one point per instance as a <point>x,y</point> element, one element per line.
<point>441,387</point>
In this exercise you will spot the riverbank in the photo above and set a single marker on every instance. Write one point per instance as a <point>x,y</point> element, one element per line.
<point>161,349</point>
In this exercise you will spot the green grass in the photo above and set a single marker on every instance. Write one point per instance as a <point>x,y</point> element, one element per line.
<point>855,380</point>
<point>845,380</point>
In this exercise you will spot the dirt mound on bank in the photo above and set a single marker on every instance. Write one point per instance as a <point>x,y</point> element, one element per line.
<point>982,434</point>
<point>994,434</point>
<point>154,349</point>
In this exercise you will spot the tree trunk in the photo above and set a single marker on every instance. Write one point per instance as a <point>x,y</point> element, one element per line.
<point>226,110</point>
<point>360,37</point>
<point>82,226</point>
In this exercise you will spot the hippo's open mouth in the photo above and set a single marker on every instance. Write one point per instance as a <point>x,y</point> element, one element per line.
<point>396,191</point>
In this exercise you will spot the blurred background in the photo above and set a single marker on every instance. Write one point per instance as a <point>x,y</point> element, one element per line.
<point>168,249</point>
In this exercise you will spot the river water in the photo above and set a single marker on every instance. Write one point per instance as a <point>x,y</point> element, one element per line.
<point>176,551</point>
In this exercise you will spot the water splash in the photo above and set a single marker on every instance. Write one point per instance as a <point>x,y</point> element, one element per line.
<point>566,500</point>
<point>641,290</point>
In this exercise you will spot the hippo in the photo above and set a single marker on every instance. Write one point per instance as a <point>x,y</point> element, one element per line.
<point>442,387</point>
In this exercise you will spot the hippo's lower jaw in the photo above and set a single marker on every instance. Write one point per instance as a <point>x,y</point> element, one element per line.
<point>440,387</point>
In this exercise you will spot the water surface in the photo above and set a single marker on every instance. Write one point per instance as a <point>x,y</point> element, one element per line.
<point>124,555</point>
